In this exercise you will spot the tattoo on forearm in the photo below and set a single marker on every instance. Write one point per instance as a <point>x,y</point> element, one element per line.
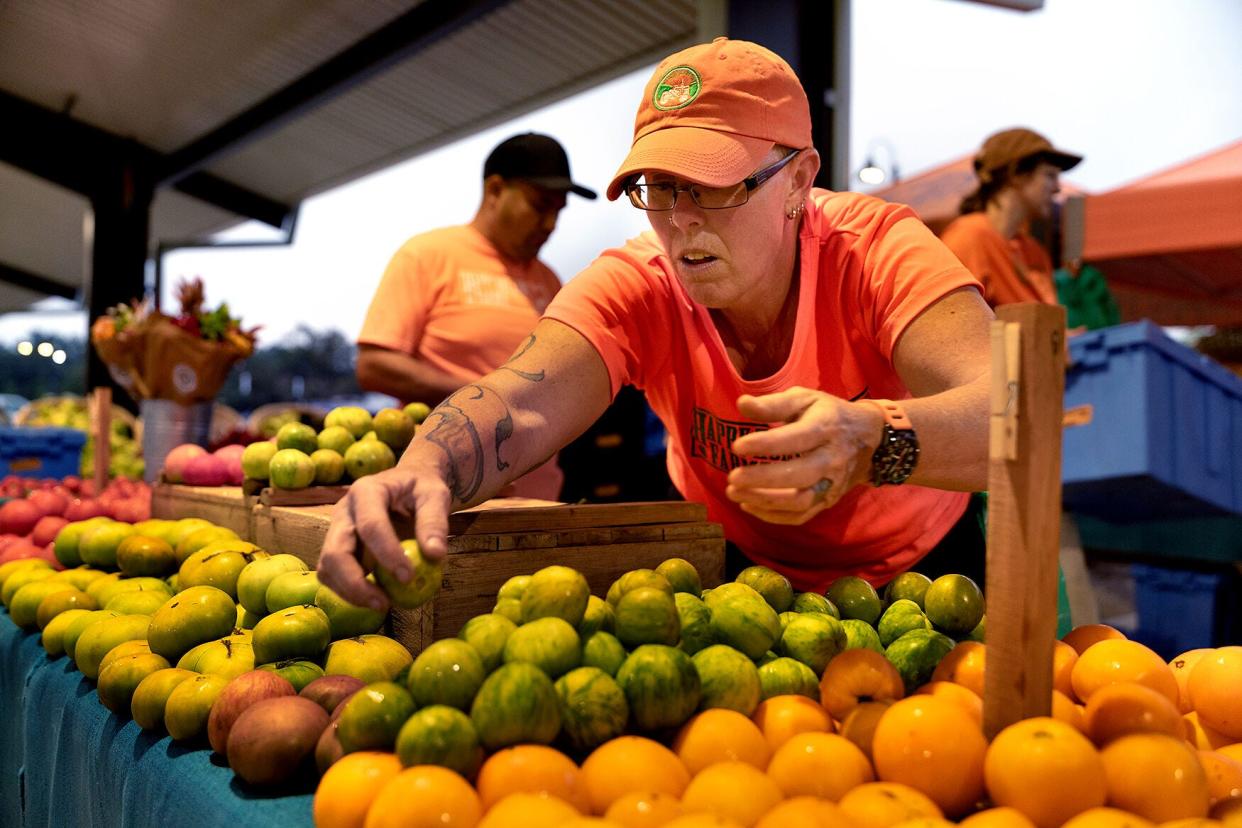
<point>504,430</point>
<point>455,431</point>
<point>530,376</point>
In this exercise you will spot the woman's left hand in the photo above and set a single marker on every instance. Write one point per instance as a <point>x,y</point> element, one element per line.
<point>824,444</point>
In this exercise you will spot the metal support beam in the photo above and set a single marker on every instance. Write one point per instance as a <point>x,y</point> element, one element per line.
<point>71,154</point>
<point>406,35</point>
<point>122,220</point>
<point>35,283</point>
<point>813,36</point>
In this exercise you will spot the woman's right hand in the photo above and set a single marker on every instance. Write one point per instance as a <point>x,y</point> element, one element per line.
<point>361,534</point>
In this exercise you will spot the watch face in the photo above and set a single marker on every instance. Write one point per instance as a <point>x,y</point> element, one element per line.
<point>895,458</point>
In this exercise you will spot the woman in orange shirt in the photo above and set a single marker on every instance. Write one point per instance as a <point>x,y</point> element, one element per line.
<point>1018,171</point>
<point>820,360</point>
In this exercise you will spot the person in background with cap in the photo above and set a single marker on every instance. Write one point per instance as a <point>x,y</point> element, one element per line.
<point>820,360</point>
<point>455,303</point>
<point>1019,174</point>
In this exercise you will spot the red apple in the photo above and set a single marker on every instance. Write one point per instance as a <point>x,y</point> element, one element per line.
<point>239,694</point>
<point>45,530</point>
<point>329,691</point>
<point>19,517</point>
<point>270,740</point>
<point>205,470</point>
<point>72,482</point>
<point>231,455</point>
<point>83,509</point>
<point>175,462</point>
<point>49,502</point>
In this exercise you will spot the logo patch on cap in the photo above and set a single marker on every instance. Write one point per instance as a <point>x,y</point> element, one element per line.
<point>678,88</point>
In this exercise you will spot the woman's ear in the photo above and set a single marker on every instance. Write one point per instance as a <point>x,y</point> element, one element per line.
<point>805,168</point>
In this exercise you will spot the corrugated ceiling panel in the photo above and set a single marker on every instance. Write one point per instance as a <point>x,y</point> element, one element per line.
<point>526,54</point>
<point>167,71</point>
<point>41,227</point>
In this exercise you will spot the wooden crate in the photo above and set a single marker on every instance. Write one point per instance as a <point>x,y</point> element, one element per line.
<point>489,545</point>
<point>222,505</point>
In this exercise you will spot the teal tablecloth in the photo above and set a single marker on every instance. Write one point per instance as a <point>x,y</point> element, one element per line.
<point>66,760</point>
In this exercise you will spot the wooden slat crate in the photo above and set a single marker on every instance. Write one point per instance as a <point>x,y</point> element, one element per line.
<point>222,505</point>
<point>489,545</point>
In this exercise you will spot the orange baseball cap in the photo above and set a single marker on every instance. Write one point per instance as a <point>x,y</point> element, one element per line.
<point>711,112</point>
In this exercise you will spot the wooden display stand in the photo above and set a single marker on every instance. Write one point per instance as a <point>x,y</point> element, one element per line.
<point>222,505</point>
<point>1024,511</point>
<point>498,540</point>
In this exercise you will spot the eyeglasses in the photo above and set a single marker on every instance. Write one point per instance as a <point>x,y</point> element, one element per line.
<point>662,195</point>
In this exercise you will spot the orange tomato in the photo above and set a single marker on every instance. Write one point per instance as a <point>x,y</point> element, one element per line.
<point>822,765</point>
<point>720,735</point>
<point>1155,776</point>
<point>934,746</point>
<point>1046,769</point>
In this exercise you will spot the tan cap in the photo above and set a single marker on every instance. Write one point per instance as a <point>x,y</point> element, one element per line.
<point>1012,145</point>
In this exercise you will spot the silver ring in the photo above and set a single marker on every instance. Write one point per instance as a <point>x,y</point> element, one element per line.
<point>820,490</point>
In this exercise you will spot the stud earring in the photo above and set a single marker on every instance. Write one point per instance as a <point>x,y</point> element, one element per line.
<point>792,213</point>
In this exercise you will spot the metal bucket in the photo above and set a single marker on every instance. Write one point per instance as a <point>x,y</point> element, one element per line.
<point>166,425</point>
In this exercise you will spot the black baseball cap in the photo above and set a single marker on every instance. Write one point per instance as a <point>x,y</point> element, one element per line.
<point>539,159</point>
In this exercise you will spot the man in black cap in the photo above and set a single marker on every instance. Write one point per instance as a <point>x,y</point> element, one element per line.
<point>455,303</point>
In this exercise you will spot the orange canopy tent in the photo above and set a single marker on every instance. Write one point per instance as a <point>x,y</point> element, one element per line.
<point>1169,244</point>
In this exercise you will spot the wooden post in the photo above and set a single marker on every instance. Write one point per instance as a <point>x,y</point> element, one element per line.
<point>1024,511</point>
<point>101,430</point>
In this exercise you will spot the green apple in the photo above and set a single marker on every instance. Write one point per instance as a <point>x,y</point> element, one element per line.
<point>355,420</point>
<point>65,547</point>
<point>368,457</point>
<point>345,619</point>
<point>80,577</point>
<point>192,616</point>
<point>336,438</point>
<point>184,527</point>
<point>219,568</point>
<point>200,538</point>
<point>118,683</point>
<point>291,469</point>
<point>134,646</point>
<point>108,589</point>
<point>300,632</point>
<point>257,458</point>
<point>291,589</point>
<point>20,579</point>
<point>53,638</point>
<point>297,436</point>
<point>79,625</point>
<point>329,467</point>
<point>229,656</point>
<point>189,705</point>
<point>55,603</point>
<point>151,696</point>
<point>24,605</point>
<point>417,411</point>
<point>424,580</point>
<point>253,581</point>
<point>369,658</point>
<point>98,639</point>
<point>137,602</point>
<point>297,672</point>
<point>394,428</point>
<point>97,546</point>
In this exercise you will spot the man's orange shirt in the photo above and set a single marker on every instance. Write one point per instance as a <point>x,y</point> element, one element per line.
<point>1011,270</point>
<point>867,270</point>
<point>449,299</point>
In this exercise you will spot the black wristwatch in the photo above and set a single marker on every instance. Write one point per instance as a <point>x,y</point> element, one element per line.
<point>898,453</point>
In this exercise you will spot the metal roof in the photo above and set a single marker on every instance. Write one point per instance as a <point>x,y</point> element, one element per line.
<point>181,78</point>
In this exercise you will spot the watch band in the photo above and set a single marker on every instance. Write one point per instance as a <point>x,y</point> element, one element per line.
<point>894,459</point>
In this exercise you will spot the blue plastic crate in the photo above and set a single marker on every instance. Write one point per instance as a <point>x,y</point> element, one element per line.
<point>1165,435</point>
<point>41,452</point>
<point>1179,610</point>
